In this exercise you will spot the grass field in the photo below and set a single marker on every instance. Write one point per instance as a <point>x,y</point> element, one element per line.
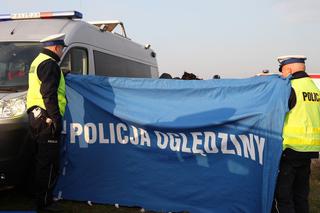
<point>15,200</point>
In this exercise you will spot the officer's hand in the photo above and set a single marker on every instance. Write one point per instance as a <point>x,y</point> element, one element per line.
<point>265,74</point>
<point>65,72</point>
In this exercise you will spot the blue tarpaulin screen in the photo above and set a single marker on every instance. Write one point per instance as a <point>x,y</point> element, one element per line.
<point>172,145</point>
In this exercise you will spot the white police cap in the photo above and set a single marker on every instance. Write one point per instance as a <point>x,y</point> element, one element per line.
<point>289,59</point>
<point>52,40</point>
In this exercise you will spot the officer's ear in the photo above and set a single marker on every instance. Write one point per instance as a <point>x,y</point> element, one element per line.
<point>60,47</point>
<point>286,71</point>
<point>57,47</point>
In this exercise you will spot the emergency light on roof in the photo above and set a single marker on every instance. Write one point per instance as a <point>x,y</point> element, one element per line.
<point>42,15</point>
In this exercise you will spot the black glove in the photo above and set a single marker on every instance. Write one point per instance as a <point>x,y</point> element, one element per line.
<point>56,127</point>
<point>65,72</point>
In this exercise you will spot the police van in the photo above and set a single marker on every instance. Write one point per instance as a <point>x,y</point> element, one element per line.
<point>316,79</point>
<point>93,48</point>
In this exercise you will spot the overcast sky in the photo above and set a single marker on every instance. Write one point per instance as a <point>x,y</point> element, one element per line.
<point>232,38</point>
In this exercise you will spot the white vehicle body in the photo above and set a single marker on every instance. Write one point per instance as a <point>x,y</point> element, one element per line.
<point>93,49</point>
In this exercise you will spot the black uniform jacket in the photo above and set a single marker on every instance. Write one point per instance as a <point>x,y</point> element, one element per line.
<point>49,74</point>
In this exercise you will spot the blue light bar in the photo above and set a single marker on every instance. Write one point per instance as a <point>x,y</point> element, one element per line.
<point>41,15</point>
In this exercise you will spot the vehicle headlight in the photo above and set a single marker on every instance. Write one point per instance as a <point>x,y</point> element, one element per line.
<point>13,107</point>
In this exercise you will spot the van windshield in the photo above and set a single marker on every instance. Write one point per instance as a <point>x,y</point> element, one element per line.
<point>15,61</point>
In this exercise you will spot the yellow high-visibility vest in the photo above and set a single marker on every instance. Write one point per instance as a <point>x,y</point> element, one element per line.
<point>34,97</point>
<point>301,131</point>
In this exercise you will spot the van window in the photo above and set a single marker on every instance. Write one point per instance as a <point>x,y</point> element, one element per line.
<point>75,61</point>
<point>15,61</point>
<point>114,66</point>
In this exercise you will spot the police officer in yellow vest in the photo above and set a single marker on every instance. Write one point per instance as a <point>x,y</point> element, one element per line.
<point>301,138</point>
<point>46,103</point>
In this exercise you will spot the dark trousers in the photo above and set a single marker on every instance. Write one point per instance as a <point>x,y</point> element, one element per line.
<point>46,158</point>
<point>292,189</point>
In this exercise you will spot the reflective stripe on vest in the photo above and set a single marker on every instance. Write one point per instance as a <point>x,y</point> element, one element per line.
<point>301,131</point>
<point>34,97</point>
